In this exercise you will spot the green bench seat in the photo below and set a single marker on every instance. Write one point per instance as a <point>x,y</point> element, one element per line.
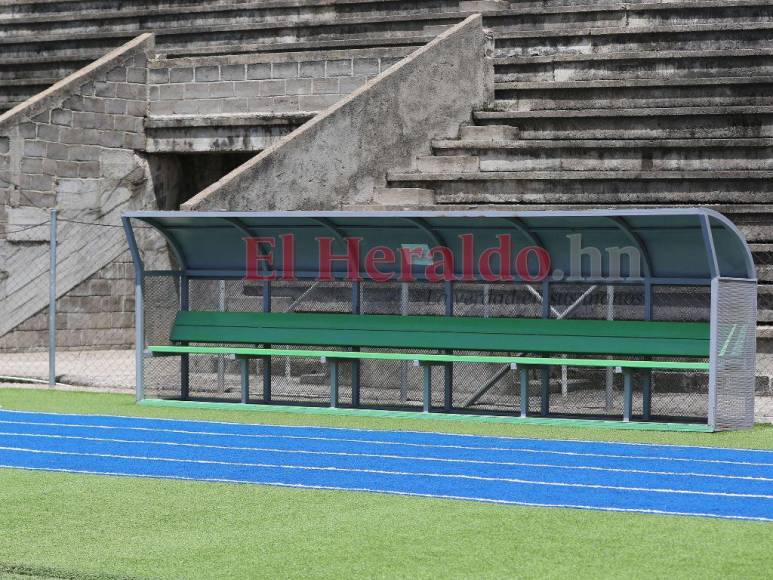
<point>537,341</point>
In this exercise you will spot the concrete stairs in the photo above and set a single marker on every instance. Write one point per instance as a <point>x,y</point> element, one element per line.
<point>616,105</point>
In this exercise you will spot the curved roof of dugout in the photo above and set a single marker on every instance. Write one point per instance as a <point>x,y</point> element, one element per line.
<point>661,246</point>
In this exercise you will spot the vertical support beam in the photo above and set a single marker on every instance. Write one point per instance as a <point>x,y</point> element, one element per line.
<point>333,384</point>
<point>545,369</point>
<point>185,367</point>
<point>647,378</point>
<point>404,298</point>
<point>448,369</point>
<point>627,394</point>
<point>610,379</point>
<point>356,309</point>
<point>647,395</point>
<point>139,311</point>
<point>52,301</point>
<point>523,373</point>
<point>427,395</point>
<point>244,367</point>
<point>545,394</point>
<point>221,290</point>
<point>713,350</point>
<point>266,361</point>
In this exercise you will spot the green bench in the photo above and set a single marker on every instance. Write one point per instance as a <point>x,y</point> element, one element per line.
<point>247,335</point>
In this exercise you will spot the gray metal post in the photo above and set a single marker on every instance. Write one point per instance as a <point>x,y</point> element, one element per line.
<point>404,297</point>
<point>52,302</point>
<point>545,395</point>
<point>244,364</point>
<point>646,385</point>
<point>333,383</point>
<point>647,375</point>
<point>627,394</point>
<point>448,369</point>
<point>610,379</point>
<point>427,388</point>
<point>713,349</point>
<point>545,369</point>
<point>185,359</point>
<point>356,363</point>
<point>139,311</point>
<point>221,306</point>
<point>267,359</point>
<point>523,372</point>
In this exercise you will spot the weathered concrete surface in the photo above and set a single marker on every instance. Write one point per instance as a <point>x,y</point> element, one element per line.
<point>71,147</point>
<point>342,154</point>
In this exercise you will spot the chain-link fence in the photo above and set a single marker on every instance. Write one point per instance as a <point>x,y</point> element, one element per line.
<point>94,340</point>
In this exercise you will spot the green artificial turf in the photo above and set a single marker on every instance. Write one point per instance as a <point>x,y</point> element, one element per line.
<point>70,526</point>
<point>761,437</point>
<point>76,526</point>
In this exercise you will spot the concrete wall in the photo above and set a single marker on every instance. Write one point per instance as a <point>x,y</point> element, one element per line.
<point>98,312</point>
<point>281,82</point>
<point>71,147</point>
<point>343,153</point>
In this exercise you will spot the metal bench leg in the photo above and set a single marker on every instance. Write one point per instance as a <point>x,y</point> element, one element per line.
<point>523,372</point>
<point>627,394</point>
<point>185,376</point>
<point>647,395</point>
<point>448,387</point>
<point>545,400</point>
<point>333,384</point>
<point>244,364</point>
<point>427,388</point>
<point>266,379</point>
<point>355,383</point>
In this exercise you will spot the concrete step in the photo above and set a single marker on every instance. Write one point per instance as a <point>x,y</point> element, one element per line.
<point>402,197</point>
<point>450,163</point>
<point>615,155</point>
<point>642,15</point>
<point>592,187</point>
<point>488,133</point>
<point>219,133</point>
<point>249,31</point>
<point>635,65</point>
<point>617,40</point>
<point>230,48</point>
<point>639,123</point>
<point>753,90</point>
<point>107,14</point>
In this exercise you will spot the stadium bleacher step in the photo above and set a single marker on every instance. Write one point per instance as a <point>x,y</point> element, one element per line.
<point>671,64</point>
<point>402,196</point>
<point>614,154</point>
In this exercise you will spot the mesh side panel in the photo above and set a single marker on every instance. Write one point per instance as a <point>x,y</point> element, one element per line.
<point>307,380</point>
<point>161,303</point>
<point>735,353</point>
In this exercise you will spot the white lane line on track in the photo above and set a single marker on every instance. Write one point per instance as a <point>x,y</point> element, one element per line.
<point>387,456</point>
<point>361,430</point>
<point>389,492</point>
<point>394,443</point>
<point>389,472</point>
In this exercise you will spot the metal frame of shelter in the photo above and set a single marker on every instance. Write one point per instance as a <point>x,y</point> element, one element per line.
<point>682,247</point>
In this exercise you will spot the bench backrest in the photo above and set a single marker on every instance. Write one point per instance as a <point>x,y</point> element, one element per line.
<point>593,337</point>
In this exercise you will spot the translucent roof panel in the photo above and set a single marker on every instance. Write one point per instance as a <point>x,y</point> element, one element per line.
<point>659,245</point>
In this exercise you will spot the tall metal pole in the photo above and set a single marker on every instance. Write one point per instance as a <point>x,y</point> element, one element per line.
<point>52,302</point>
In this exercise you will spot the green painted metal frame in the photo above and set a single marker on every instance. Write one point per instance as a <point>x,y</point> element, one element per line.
<point>413,415</point>
<point>440,358</point>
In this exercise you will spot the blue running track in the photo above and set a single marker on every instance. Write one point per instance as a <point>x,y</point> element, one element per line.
<point>663,479</point>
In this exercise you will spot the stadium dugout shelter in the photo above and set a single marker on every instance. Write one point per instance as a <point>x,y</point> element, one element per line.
<point>642,317</point>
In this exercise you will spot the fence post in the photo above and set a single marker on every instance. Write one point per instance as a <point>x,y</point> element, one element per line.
<point>52,302</point>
